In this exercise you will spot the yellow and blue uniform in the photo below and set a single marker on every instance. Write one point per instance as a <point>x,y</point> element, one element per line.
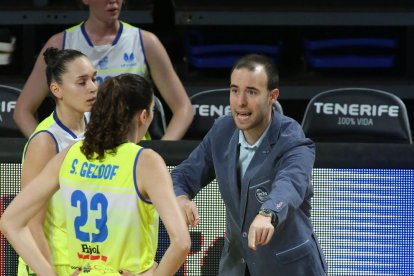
<point>55,221</point>
<point>110,225</point>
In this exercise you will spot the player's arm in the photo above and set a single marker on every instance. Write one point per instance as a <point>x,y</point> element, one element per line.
<point>156,184</point>
<point>14,222</point>
<point>34,91</point>
<point>40,150</point>
<point>169,86</point>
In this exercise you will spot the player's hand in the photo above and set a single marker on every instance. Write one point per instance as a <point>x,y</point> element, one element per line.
<point>260,232</point>
<point>190,210</point>
<point>76,272</point>
<point>149,272</point>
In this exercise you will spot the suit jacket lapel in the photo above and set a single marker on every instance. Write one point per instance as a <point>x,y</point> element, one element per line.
<point>251,171</point>
<point>231,155</point>
<point>255,164</point>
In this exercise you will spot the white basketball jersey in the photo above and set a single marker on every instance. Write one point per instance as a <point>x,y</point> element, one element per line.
<point>124,55</point>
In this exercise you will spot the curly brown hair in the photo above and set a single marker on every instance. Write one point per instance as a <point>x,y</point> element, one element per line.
<point>119,99</point>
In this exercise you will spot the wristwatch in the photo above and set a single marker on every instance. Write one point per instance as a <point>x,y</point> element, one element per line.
<point>270,214</point>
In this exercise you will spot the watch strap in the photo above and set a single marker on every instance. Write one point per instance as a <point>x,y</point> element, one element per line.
<point>269,213</point>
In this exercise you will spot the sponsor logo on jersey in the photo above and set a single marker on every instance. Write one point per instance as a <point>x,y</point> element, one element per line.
<point>103,63</point>
<point>129,60</point>
<point>86,268</point>
<point>92,253</point>
<point>90,249</point>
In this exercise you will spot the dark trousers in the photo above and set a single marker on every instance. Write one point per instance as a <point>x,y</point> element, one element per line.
<point>247,273</point>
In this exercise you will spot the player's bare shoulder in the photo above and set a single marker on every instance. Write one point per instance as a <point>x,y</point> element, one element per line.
<point>55,40</point>
<point>150,159</point>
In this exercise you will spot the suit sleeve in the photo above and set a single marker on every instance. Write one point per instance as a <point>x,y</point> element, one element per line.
<point>196,171</point>
<point>292,188</point>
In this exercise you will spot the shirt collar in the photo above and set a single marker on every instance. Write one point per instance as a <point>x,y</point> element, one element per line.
<point>243,143</point>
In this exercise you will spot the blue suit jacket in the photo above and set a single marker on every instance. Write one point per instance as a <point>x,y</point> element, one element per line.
<point>277,178</point>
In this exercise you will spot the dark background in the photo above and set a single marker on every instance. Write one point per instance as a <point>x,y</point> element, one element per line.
<point>32,22</point>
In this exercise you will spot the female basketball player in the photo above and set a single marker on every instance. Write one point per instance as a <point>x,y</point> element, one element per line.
<point>71,79</point>
<point>114,47</point>
<point>112,191</point>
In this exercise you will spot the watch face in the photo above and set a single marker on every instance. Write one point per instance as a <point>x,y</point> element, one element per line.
<point>265,212</point>
<point>269,213</point>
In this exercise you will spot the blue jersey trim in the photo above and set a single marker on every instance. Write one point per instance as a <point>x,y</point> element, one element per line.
<point>85,34</point>
<point>135,178</point>
<point>34,135</point>
<point>118,35</point>
<point>63,126</point>
<point>142,46</point>
<point>64,40</point>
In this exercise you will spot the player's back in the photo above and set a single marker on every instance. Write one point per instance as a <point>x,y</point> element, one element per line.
<point>110,226</point>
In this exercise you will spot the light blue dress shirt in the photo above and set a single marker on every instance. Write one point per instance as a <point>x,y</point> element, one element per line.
<point>247,152</point>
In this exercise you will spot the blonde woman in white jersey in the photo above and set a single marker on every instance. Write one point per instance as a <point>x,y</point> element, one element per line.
<point>114,47</point>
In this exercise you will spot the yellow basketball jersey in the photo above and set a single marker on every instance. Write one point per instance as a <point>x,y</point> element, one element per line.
<point>55,220</point>
<point>110,225</point>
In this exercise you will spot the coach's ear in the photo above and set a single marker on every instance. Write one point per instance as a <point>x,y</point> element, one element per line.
<point>274,94</point>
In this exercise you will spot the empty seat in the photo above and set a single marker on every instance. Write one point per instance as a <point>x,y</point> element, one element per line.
<point>209,105</point>
<point>351,53</point>
<point>204,54</point>
<point>357,115</point>
<point>8,98</point>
